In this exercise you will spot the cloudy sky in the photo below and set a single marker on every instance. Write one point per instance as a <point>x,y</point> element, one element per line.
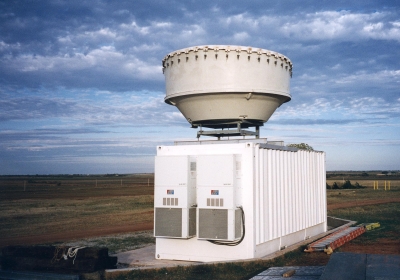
<point>82,89</point>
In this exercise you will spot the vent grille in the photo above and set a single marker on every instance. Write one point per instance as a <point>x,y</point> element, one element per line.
<point>170,201</point>
<point>238,166</point>
<point>168,222</point>
<point>213,224</point>
<point>238,169</point>
<point>192,221</point>
<point>215,202</point>
<point>238,223</point>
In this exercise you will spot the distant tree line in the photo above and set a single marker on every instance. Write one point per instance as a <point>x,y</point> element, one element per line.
<point>31,181</point>
<point>346,185</point>
<point>374,174</point>
<point>302,146</point>
<point>334,174</point>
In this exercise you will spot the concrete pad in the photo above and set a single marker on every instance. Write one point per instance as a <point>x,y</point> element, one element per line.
<point>145,258</point>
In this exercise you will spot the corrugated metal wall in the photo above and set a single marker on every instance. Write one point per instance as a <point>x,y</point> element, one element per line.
<point>291,192</point>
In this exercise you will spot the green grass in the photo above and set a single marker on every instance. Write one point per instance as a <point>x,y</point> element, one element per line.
<point>341,196</point>
<point>388,215</point>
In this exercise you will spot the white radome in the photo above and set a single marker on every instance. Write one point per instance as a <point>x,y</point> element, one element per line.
<point>219,86</point>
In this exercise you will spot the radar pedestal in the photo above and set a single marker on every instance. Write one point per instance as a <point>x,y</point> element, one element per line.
<point>229,132</point>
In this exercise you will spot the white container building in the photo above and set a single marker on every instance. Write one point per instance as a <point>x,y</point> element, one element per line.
<point>220,200</point>
<point>235,199</point>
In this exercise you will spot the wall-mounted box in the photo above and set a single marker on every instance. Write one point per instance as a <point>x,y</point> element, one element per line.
<point>218,182</point>
<point>174,197</point>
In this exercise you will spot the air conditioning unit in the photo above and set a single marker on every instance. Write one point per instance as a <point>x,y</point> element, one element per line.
<point>174,222</point>
<point>218,197</point>
<point>220,224</point>
<point>175,197</point>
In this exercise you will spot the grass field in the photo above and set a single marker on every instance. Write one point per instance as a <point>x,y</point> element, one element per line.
<point>388,215</point>
<point>65,208</point>
<point>74,187</point>
<point>111,210</point>
<point>355,195</point>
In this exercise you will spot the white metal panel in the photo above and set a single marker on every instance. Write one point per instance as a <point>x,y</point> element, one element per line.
<point>216,170</point>
<point>286,193</point>
<point>292,195</point>
<point>217,181</point>
<point>259,215</point>
<point>174,179</point>
<point>290,191</point>
<point>171,171</point>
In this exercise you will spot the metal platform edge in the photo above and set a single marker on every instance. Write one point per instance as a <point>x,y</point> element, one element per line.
<point>262,142</point>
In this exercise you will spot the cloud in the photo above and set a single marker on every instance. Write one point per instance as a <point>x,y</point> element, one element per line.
<point>315,121</point>
<point>345,84</point>
<point>98,108</point>
<point>125,52</point>
<point>81,81</point>
<point>343,25</point>
<point>35,108</point>
<point>104,68</point>
<point>384,77</point>
<point>328,111</point>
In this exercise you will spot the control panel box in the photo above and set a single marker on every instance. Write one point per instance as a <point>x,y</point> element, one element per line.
<point>174,197</point>
<point>218,181</point>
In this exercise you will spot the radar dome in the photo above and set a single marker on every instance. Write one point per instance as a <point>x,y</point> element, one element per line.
<point>220,86</point>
